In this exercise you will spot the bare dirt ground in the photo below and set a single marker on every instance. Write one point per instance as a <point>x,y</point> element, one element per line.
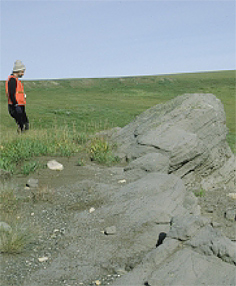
<point>70,244</point>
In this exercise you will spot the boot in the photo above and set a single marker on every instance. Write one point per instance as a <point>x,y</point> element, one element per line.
<point>26,126</point>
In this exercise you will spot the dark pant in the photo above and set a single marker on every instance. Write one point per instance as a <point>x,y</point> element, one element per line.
<point>19,115</point>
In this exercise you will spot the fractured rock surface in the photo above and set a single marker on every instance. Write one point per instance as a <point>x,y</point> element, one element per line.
<point>190,131</point>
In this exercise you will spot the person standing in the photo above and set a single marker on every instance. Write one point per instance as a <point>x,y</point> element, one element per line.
<point>17,97</point>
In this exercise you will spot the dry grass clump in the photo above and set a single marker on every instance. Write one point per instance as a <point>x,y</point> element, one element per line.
<point>16,239</point>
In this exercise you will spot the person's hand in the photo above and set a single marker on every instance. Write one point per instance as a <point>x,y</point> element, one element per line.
<point>18,109</point>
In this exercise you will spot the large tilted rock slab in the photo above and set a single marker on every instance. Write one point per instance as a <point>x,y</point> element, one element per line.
<point>189,130</point>
<point>194,253</point>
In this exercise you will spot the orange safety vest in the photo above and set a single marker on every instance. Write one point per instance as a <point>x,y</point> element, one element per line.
<point>20,95</point>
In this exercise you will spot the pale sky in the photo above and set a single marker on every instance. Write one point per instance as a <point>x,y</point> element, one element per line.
<point>91,39</point>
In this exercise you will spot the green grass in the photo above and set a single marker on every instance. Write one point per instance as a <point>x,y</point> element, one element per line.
<point>30,167</point>
<point>75,108</point>
<point>200,193</point>
<point>19,235</point>
<point>101,151</point>
<point>18,153</point>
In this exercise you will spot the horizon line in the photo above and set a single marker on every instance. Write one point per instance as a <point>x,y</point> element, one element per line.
<point>127,76</point>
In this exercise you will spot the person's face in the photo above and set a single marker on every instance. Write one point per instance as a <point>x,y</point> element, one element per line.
<point>21,73</point>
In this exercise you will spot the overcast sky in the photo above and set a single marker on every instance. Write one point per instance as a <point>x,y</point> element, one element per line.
<point>87,39</point>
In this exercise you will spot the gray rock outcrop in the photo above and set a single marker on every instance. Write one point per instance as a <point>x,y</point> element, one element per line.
<point>190,131</point>
<point>185,137</point>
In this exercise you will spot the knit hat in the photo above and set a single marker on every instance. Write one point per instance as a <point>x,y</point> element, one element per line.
<point>18,66</point>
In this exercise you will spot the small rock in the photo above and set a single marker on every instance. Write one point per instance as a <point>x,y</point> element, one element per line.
<point>43,259</point>
<point>230,214</point>
<point>97,282</point>
<point>110,230</point>
<point>62,230</point>
<point>54,235</point>
<point>54,165</point>
<point>32,183</point>
<point>122,181</point>
<point>91,210</point>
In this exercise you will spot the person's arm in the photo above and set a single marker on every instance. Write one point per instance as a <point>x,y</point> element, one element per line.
<point>12,90</point>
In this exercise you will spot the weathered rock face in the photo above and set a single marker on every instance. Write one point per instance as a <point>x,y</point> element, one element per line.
<point>190,131</point>
<point>185,137</point>
<point>194,253</point>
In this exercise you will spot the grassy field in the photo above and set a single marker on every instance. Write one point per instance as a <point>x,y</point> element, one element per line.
<point>83,106</point>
